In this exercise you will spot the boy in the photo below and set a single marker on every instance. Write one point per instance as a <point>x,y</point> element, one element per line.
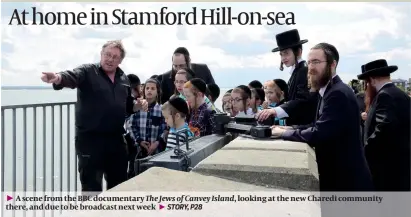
<point>175,112</point>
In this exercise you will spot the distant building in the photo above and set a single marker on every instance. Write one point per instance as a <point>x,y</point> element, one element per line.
<point>401,83</point>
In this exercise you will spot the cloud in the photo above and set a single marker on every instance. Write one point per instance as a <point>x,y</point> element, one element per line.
<point>351,27</point>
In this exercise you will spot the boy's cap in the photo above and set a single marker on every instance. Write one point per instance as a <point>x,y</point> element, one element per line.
<point>134,80</point>
<point>179,104</point>
<point>245,89</point>
<point>214,90</point>
<point>281,84</point>
<point>199,84</point>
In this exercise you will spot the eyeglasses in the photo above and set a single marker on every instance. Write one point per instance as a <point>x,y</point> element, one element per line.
<point>109,56</point>
<point>315,62</point>
<point>236,100</point>
<point>180,82</point>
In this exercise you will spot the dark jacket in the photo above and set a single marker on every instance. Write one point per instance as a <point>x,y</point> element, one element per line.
<point>336,139</point>
<point>167,80</point>
<point>387,139</point>
<point>301,104</point>
<point>101,104</point>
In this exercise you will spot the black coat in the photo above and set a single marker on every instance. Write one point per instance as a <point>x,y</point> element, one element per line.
<point>387,139</point>
<point>301,104</point>
<point>167,80</point>
<point>336,139</point>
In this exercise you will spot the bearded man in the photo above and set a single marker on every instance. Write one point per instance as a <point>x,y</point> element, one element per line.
<point>335,135</point>
<point>181,59</point>
<point>387,128</point>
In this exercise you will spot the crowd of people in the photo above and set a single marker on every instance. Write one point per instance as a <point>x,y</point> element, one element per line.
<point>358,148</point>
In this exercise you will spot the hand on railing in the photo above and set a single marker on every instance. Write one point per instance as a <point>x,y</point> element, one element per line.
<point>51,77</point>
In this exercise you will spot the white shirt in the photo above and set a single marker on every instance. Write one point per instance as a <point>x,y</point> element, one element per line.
<point>322,90</point>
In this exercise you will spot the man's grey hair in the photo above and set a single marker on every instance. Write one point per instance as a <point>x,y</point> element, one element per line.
<point>117,44</point>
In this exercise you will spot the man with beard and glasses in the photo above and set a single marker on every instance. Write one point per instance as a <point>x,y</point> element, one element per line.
<point>387,128</point>
<point>103,101</point>
<point>181,59</point>
<point>300,106</point>
<point>335,135</point>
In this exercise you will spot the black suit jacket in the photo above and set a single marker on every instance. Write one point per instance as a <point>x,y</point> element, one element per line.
<point>387,139</point>
<point>301,104</point>
<point>167,80</point>
<point>337,141</point>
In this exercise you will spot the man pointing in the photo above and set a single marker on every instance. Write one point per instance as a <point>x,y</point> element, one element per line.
<point>103,101</point>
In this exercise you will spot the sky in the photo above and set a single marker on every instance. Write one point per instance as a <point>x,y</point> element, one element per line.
<point>236,54</point>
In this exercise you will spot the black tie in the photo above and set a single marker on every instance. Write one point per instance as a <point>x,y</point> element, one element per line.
<point>319,107</point>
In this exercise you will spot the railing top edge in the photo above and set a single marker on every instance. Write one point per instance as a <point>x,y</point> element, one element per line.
<point>36,105</point>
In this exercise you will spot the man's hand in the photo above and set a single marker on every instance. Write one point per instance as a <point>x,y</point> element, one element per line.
<point>165,135</point>
<point>153,147</point>
<point>145,145</point>
<point>51,77</point>
<point>140,104</point>
<point>283,127</point>
<point>277,131</point>
<point>364,116</point>
<point>265,113</point>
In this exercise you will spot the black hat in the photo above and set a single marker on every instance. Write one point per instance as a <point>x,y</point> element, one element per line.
<point>214,90</point>
<point>182,50</point>
<point>255,84</point>
<point>179,104</point>
<point>283,86</point>
<point>199,84</point>
<point>288,39</point>
<point>245,89</point>
<point>134,80</point>
<point>376,68</point>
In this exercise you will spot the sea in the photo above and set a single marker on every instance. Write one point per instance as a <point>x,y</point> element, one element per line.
<point>49,163</point>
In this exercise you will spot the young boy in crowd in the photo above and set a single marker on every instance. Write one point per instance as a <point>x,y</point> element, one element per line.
<point>213,93</point>
<point>240,99</point>
<point>226,104</point>
<point>182,76</point>
<point>175,112</point>
<point>257,99</point>
<point>200,119</point>
<point>276,92</point>
<point>147,127</point>
<point>274,95</point>
<point>255,84</point>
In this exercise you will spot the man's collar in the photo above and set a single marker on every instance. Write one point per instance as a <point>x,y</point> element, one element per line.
<point>322,90</point>
<point>293,67</point>
<point>380,86</point>
<point>119,71</point>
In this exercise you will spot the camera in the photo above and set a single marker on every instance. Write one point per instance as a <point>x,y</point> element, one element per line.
<point>243,124</point>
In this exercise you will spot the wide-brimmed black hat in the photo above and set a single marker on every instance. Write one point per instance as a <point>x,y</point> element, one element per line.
<point>376,68</point>
<point>288,39</point>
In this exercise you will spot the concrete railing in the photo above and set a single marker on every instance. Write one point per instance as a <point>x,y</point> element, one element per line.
<point>244,164</point>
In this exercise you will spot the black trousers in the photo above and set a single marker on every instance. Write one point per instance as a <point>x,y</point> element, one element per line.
<point>98,155</point>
